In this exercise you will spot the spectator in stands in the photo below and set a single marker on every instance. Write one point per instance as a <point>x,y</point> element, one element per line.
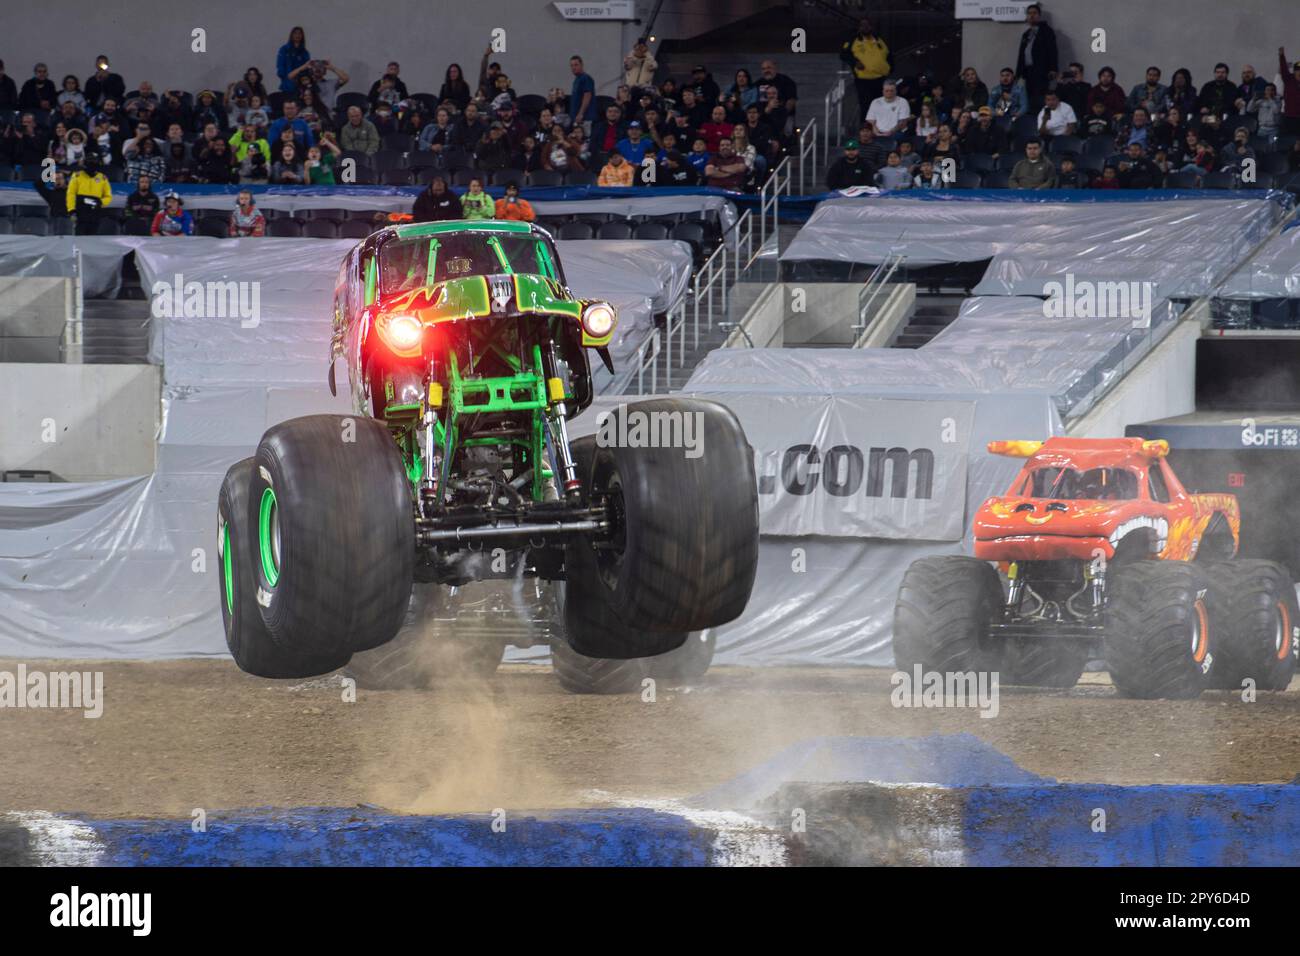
<point>1074,89</point>
<point>1150,95</point>
<point>1234,154</point>
<point>582,148</point>
<point>1108,92</point>
<point>487,75</point>
<point>1036,62</point>
<point>557,101</point>
<point>582,97</point>
<point>928,177</point>
<point>907,155</point>
<point>1008,98</point>
<point>208,110</point>
<point>716,129</point>
<point>28,144</point>
<point>1182,93</point>
<point>291,56</point>
<point>514,207</point>
<point>103,83</point>
<point>146,161</point>
<point>606,133</point>
<point>1267,109</point>
<point>617,171</point>
<point>246,219</point>
<point>8,90</point>
<point>493,150</point>
<point>143,131</point>
<point>1056,119</point>
<point>210,134</point>
<point>469,129</point>
<point>476,204</point>
<point>867,55</point>
<point>71,93</point>
<point>559,155</point>
<point>699,156</point>
<point>1035,171</point>
<point>143,203</point>
<point>697,113</point>
<point>755,162</point>
<point>527,156</point>
<point>57,149</point>
<point>70,116</point>
<point>327,86</point>
<point>172,220</point>
<point>287,170</point>
<point>1167,131</point>
<point>302,134</point>
<point>1251,86</point>
<point>252,154</point>
<point>985,136</point>
<point>674,170</point>
<point>258,114</point>
<point>639,66</point>
<point>971,92</point>
<point>251,84</point>
<point>1212,131</point>
<point>888,114</point>
<point>55,194</point>
<point>314,114</point>
<point>144,98</point>
<point>1098,122</point>
<point>1217,95</point>
<point>1136,171</point>
<point>437,136</point>
<point>1109,178</point>
<point>384,121</point>
<point>358,133</point>
<point>894,175</point>
<point>453,87</point>
<point>38,93</point>
<point>727,170</point>
<point>180,166</point>
<point>1137,131</point>
<point>503,107</point>
<point>318,168</point>
<point>634,145</point>
<point>436,203</point>
<point>851,169</point>
<point>88,195</point>
<point>502,85</point>
<point>786,88</point>
<point>1290,93</point>
<point>945,146</point>
<point>705,87</point>
<point>1069,177</point>
<point>927,122</point>
<point>743,89</point>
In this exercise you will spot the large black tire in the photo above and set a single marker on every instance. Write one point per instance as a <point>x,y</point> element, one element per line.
<point>579,674</point>
<point>941,619</point>
<point>430,648</point>
<point>1044,661</point>
<point>685,549</point>
<point>594,630</point>
<point>247,638</point>
<point>1160,641</point>
<point>687,664</point>
<point>332,491</point>
<point>1257,621</point>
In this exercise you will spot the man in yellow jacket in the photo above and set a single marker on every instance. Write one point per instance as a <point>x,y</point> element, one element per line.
<point>868,55</point>
<point>88,193</point>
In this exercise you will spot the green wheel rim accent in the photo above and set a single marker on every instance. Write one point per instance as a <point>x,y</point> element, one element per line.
<point>227,568</point>
<point>268,537</point>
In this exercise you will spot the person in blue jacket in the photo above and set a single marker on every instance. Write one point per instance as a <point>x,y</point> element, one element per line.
<point>291,56</point>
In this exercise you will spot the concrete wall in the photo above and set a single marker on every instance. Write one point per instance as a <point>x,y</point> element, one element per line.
<point>150,39</point>
<point>33,312</point>
<point>1192,33</point>
<point>102,419</point>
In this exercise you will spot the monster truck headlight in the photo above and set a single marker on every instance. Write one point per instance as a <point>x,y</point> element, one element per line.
<point>598,320</point>
<point>402,333</point>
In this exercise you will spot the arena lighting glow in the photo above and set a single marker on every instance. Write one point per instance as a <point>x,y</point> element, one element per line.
<point>401,332</point>
<point>598,320</point>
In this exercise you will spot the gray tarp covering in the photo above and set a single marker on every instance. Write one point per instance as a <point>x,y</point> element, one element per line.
<point>127,568</point>
<point>1274,272</point>
<point>821,599</point>
<point>1183,245</point>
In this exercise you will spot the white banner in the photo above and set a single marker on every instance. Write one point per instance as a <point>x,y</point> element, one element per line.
<point>608,10</point>
<point>1008,11</point>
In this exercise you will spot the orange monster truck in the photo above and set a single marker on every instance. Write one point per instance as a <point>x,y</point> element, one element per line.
<point>1102,553</point>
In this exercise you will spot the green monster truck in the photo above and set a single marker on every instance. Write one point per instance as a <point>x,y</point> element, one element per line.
<point>467,355</point>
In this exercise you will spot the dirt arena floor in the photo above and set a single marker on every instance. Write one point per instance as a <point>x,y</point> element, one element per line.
<point>179,735</point>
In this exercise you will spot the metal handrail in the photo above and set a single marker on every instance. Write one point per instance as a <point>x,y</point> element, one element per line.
<point>871,288</point>
<point>742,233</point>
<point>713,272</point>
<point>807,147</point>
<point>651,360</point>
<point>769,197</point>
<point>834,99</point>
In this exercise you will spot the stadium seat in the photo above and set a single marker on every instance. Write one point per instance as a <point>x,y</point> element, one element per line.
<point>978,163</point>
<point>285,228</point>
<point>462,177</point>
<point>355,229</point>
<point>320,229</point>
<point>33,211</point>
<point>1101,145</point>
<point>1025,127</point>
<point>603,102</point>
<point>387,159</point>
<point>1007,161</point>
<point>362,159</point>
<point>1261,181</point>
<point>62,226</point>
<point>575,178</point>
<point>6,173</point>
<point>338,215</point>
<point>1061,145</point>
<point>1262,145</point>
<point>6,227</point>
<point>575,230</point>
<point>457,158</point>
<point>967,179</point>
<point>1275,164</point>
<point>1182,180</point>
<point>615,230</point>
<point>691,232</point>
<point>216,228</point>
<point>998,179</point>
<point>109,227</point>
<point>545,177</point>
<point>424,158</point>
<point>365,176</point>
<point>531,103</point>
<point>426,174</point>
<point>136,226</point>
<point>1220,180</point>
<point>650,230</point>
<point>395,177</point>
<point>343,100</point>
<point>503,177</point>
<point>428,100</point>
<point>398,141</point>
<point>1093,165</point>
<point>275,103</point>
<point>31,227</point>
<point>29,173</point>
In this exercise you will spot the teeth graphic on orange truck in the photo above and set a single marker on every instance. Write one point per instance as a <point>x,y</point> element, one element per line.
<point>1102,553</point>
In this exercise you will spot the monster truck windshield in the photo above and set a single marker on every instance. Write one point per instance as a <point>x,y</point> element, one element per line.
<point>406,264</point>
<point>1094,484</point>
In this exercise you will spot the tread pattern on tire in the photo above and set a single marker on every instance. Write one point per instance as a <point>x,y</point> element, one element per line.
<point>1248,592</point>
<point>1044,662</point>
<point>944,606</point>
<point>1149,615</point>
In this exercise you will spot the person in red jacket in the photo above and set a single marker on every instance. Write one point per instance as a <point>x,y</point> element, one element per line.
<point>510,206</point>
<point>1290,93</point>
